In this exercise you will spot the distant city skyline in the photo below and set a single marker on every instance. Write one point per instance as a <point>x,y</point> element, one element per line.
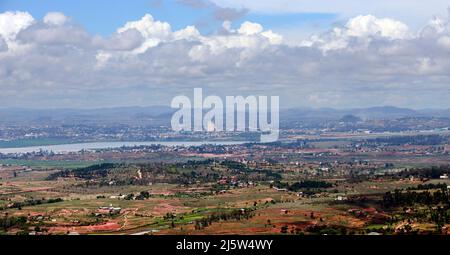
<point>80,54</point>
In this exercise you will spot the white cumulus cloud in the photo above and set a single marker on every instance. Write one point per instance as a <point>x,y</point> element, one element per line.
<point>250,28</point>
<point>11,23</point>
<point>360,30</point>
<point>55,18</point>
<point>354,64</point>
<point>369,25</point>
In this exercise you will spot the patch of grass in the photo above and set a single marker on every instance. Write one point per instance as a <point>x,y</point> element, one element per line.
<point>67,164</point>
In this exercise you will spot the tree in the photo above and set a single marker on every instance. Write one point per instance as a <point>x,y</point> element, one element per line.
<point>129,196</point>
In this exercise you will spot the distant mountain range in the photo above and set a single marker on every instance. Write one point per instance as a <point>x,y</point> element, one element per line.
<point>160,115</point>
<point>382,112</point>
<point>120,115</point>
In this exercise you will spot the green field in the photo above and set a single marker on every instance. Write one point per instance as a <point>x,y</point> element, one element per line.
<point>66,164</point>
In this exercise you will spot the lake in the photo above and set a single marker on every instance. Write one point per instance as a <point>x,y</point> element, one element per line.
<point>74,147</point>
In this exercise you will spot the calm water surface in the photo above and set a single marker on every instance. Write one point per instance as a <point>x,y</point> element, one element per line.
<point>74,147</point>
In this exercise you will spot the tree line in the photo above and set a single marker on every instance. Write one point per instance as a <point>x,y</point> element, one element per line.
<point>409,198</point>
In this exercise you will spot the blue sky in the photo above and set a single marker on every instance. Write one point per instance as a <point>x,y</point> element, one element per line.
<point>313,53</point>
<point>105,16</point>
